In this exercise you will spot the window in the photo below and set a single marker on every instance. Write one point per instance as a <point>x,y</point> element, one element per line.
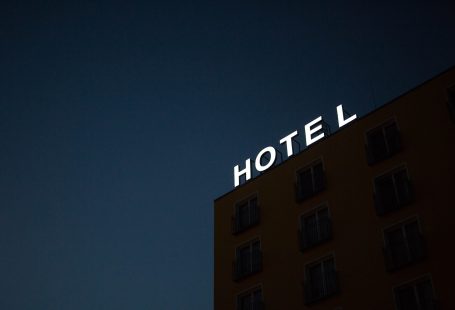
<point>403,245</point>
<point>321,280</point>
<point>451,102</point>
<point>383,142</point>
<point>246,215</point>
<point>248,260</point>
<point>417,295</point>
<point>251,300</point>
<point>316,228</point>
<point>392,191</point>
<point>310,181</point>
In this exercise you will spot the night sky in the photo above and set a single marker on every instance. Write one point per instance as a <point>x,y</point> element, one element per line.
<point>121,121</point>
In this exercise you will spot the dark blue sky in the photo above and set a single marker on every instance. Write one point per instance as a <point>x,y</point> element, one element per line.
<point>121,121</point>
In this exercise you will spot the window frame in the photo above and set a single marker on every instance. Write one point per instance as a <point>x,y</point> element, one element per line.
<point>301,231</point>
<point>249,292</point>
<point>379,208</point>
<point>308,300</point>
<point>236,227</point>
<point>401,226</point>
<point>413,282</point>
<point>238,274</point>
<point>371,159</point>
<point>299,197</point>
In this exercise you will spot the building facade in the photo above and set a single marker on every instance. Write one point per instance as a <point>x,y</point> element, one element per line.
<point>362,219</point>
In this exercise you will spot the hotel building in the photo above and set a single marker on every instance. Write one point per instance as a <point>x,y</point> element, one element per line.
<point>361,219</point>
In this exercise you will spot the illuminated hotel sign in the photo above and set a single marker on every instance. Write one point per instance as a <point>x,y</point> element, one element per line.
<point>313,133</point>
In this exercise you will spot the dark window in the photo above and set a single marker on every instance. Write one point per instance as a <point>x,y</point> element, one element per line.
<point>310,181</point>
<point>251,300</point>
<point>321,280</point>
<point>403,245</point>
<point>416,296</point>
<point>383,142</point>
<point>246,215</point>
<point>392,191</point>
<point>451,102</point>
<point>316,228</point>
<point>248,260</point>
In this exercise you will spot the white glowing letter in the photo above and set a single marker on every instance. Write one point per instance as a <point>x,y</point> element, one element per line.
<point>309,131</point>
<point>246,172</point>
<point>288,141</point>
<point>341,120</point>
<point>258,164</point>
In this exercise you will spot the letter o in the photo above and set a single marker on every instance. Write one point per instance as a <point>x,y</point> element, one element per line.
<point>258,164</point>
